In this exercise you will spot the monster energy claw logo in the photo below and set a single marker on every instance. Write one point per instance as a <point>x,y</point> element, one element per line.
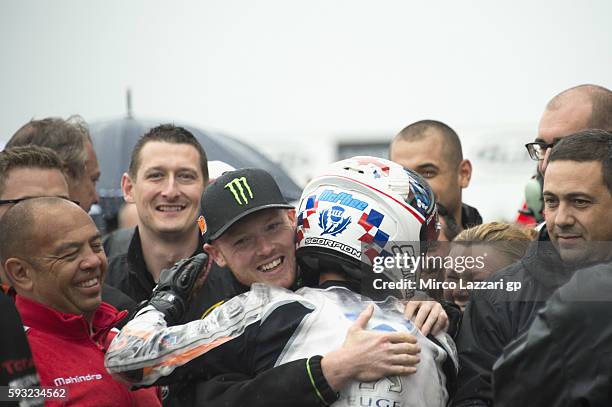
<point>238,187</point>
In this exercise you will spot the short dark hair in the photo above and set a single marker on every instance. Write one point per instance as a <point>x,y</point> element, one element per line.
<point>18,225</point>
<point>587,145</point>
<point>66,137</point>
<point>418,130</point>
<point>27,157</point>
<point>168,133</point>
<point>601,100</point>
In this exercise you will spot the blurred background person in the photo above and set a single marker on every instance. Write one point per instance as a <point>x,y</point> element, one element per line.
<point>433,149</point>
<point>579,108</point>
<point>128,216</point>
<point>499,244</point>
<point>71,141</point>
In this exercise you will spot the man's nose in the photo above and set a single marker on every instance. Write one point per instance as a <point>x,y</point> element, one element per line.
<point>170,188</point>
<point>91,260</point>
<point>264,244</point>
<point>564,215</point>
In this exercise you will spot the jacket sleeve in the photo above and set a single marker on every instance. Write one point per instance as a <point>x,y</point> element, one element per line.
<point>565,357</point>
<point>299,383</point>
<point>526,361</point>
<point>147,349</point>
<point>480,342</point>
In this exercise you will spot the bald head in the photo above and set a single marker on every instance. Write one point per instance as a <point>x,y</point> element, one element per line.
<point>53,254</point>
<point>23,224</point>
<point>576,109</point>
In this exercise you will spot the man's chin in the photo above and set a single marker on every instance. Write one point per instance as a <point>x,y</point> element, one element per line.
<point>282,278</point>
<point>172,229</point>
<point>88,307</point>
<point>575,256</point>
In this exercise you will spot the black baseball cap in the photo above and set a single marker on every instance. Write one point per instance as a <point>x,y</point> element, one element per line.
<point>234,195</point>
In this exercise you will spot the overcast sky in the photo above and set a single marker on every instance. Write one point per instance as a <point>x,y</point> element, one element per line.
<point>284,67</point>
<point>294,70</point>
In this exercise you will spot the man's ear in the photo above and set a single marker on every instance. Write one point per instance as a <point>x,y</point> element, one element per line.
<point>465,173</point>
<point>215,254</point>
<point>292,217</point>
<point>127,187</point>
<point>19,274</point>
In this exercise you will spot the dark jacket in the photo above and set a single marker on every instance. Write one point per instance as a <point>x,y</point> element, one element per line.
<point>117,242</point>
<point>493,318</point>
<point>470,216</point>
<point>16,363</point>
<point>117,299</point>
<point>127,269</point>
<point>565,358</point>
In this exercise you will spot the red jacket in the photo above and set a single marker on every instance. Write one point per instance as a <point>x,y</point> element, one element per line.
<point>67,355</point>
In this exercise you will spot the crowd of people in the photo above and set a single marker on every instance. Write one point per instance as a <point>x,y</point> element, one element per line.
<point>222,293</point>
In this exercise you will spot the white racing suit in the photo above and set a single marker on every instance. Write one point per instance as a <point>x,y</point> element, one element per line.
<point>270,326</point>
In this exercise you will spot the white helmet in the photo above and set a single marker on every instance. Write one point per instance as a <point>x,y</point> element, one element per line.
<point>360,209</point>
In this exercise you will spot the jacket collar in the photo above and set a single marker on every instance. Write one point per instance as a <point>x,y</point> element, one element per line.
<point>41,317</point>
<point>470,216</point>
<point>543,262</point>
<point>137,265</point>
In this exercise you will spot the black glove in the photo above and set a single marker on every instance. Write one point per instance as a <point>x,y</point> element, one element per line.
<point>172,294</point>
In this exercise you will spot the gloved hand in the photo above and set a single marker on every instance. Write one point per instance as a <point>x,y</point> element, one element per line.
<point>176,286</point>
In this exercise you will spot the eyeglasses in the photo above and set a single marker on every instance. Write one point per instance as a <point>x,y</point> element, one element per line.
<point>16,201</point>
<point>537,149</point>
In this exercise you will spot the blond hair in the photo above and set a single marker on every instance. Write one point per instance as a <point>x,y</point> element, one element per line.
<point>510,240</point>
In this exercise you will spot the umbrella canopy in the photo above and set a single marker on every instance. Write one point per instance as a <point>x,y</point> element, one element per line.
<point>114,141</point>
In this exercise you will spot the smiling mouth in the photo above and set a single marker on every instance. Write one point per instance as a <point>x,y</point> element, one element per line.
<point>170,208</point>
<point>89,283</point>
<point>273,265</point>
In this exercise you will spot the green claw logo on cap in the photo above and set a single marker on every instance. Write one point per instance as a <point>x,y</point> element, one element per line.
<point>237,186</point>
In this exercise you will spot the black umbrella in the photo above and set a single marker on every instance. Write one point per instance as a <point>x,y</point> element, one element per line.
<point>114,140</point>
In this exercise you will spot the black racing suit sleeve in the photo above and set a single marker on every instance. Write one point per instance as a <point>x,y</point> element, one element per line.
<point>285,385</point>
<point>242,373</point>
<point>480,342</point>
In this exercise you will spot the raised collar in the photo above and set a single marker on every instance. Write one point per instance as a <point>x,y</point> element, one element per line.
<point>136,263</point>
<point>470,216</point>
<point>43,318</point>
<point>543,262</point>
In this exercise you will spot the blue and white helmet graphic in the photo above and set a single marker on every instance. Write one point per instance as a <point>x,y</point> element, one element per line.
<point>332,222</point>
<point>358,209</point>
